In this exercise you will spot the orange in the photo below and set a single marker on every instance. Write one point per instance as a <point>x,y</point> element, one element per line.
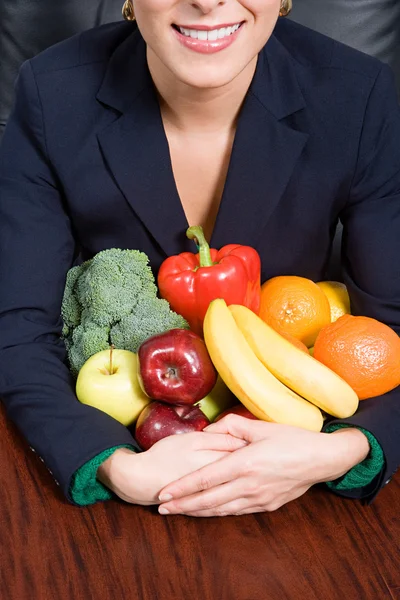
<point>362,351</point>
<point>295,342</point>
<point>338,298</point>
<point>294,305</point>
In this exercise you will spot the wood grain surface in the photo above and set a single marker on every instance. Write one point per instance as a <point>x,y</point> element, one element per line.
<point>320,547</point>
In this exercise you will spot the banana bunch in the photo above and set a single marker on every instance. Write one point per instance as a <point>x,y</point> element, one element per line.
<point>274,380</point>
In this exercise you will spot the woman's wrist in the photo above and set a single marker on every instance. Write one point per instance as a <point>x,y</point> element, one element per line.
<point>109,470</point>
<point>346,448</point>
<point>126,473</point>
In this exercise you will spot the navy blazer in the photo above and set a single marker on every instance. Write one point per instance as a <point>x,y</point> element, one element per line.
<point>85,166</point>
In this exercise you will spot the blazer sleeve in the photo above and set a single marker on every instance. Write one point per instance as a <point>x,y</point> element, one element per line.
<point>371,255</point>
<point>37,248</point>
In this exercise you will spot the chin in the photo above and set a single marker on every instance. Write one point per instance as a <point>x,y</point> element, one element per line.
<point>207,82</point>
<point>208,77</point>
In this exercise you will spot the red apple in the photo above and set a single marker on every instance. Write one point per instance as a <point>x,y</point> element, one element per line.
<point>240,410</point>
<point>159,420</point>
<point>175,367</point>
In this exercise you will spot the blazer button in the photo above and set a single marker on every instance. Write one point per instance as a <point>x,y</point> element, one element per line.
<point>388,481</point>
<point>33,449</point>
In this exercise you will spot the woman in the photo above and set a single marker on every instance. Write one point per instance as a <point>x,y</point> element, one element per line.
<point>212,112</point>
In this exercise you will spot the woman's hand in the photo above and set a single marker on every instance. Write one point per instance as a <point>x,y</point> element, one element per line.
<point>138,477</point>
<point>279,464</point>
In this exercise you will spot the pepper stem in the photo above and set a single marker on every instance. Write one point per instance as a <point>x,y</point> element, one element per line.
<point>196,233</point>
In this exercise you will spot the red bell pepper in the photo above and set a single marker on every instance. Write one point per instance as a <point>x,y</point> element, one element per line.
<point>191,281</point>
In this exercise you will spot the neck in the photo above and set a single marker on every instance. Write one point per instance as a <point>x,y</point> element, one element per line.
<point>198,110</point>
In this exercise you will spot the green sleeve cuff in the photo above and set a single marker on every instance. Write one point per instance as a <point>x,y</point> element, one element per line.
<point>363,473</point>
<point>85,489</point>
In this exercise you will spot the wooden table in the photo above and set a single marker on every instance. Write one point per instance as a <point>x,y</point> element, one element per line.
<point>320,547</point>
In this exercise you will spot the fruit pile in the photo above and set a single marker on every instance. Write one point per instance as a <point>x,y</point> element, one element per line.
<point>287,351</point>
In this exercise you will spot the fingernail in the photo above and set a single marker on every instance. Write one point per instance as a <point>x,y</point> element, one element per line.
<point>163,511</point>
<point>165,497</point>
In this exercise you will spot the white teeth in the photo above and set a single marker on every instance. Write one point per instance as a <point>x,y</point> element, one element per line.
<point>214,34</point>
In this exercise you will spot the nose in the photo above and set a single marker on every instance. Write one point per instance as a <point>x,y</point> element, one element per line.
<point>206,6</point>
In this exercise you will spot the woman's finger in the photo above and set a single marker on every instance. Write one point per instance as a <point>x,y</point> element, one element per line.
<point>207,500</point>
<point>207,477</point>
<point>221,441</point>
<point>241,506</point>
<point>244,506</point>
<point>241,427</point>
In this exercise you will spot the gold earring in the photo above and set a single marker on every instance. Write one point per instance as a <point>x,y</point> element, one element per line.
<point>286,7</point>
<point>127,11</point>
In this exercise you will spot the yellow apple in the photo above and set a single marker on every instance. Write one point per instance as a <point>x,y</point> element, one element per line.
<point>219,399</point>
<point>108,381</point>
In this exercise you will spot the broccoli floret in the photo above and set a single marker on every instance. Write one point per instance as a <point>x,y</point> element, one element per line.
<point>71,309</point>
<point>87,339</point>
<point>112,299</point>
<point>151,316</point>
<point>113,284</point>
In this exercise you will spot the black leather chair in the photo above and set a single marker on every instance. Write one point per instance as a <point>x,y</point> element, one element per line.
<point>372,26</point>
<point>29,26</point>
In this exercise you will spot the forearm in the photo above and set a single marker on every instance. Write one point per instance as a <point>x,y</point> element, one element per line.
<point>38,394</point>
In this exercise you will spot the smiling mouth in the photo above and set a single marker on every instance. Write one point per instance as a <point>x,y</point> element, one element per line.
<point>208,34</point>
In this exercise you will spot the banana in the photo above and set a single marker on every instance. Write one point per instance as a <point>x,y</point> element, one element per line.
<point>297,370</point>
<point>245,375</point>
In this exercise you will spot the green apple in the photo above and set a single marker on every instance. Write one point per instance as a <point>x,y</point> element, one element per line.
<point>219,399</point>
<point>108,381</point>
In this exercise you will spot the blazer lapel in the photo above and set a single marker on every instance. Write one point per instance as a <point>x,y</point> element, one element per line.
<point>136,149</point>
<point>265,151</point>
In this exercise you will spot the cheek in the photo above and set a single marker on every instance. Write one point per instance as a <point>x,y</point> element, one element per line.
<point>152,5</point>
<point>150,13</point>
<point>151,17</point>
<point>262,8</point>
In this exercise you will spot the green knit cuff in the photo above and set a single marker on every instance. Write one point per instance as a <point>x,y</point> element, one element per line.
<point>85,489</point>
<point>363,473</point>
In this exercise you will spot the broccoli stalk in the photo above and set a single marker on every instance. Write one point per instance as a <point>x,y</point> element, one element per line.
<point>112,299</point>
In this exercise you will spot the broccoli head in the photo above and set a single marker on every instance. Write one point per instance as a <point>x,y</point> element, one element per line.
<point>151,316</point>
<point>112,299</point>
